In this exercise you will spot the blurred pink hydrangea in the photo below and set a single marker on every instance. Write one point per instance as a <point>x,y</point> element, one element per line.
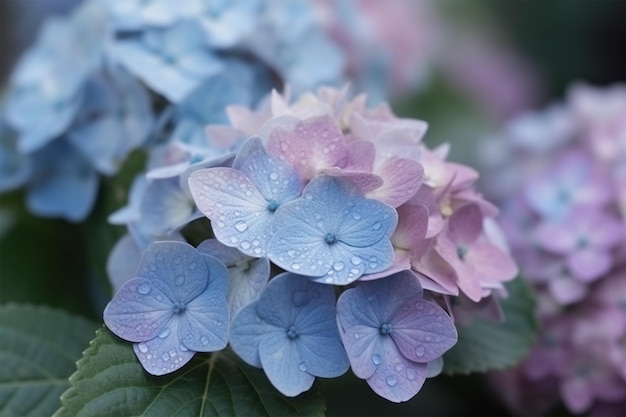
<point>559,175</point>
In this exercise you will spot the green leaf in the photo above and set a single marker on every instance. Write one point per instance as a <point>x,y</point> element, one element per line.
<point>39,347</point>
<point>485,346</point>
<point>110,381</point>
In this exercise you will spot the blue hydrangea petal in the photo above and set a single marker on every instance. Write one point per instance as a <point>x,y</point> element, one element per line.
<point>176,268</point>
<point>276,180</point>
<point>66,184</point>
<point>204,324</point>
<point>164,353</point>
<point>422,330</point>
<point>287,296</point>
<point>239,214</point>
<point>434,367</point>
<point>366,222</point>
<point>246,332</point>
<point>397,378</point>
<point>165,207</point>
<point>283,365</point>
<point>218,274</point>
<point>320,345</point>
<point>122,261</point>
<point>139,311</point>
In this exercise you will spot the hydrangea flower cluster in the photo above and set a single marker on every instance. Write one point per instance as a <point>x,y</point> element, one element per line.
<point>120,75</point>
<point>325,197</point>
<point>564,196</point>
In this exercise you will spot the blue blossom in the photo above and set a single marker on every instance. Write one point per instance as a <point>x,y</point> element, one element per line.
<point>63,183</point>
<point>241,201</point>
<point>15,168</point>
<point>291,332</point>
<point>391,334</point>
<point>248,275</point>
<point>172,61</point>
<point>115,120</point>
<point>46,88</point>
<point>176,306</point>
<point>333,233</point>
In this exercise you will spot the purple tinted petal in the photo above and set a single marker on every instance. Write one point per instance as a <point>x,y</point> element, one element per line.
<point>589,264</point>
<point>239,214</point>
<point>412,226</point>
<point>139,311</point>
<point>556,237</point>
<point>175,268</point>
<point>567,290</point>
<point>465,224</point>
<point>362,344</point>
<point>402,178</point>
<point>397,378</point>
<point>164,353</point>
<point>422,330</point>
<point>490,263</point>
<point>283,365</point>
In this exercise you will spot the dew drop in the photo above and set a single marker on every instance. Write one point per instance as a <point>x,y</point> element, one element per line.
<point>399,367</point>
<point>193,265</point>
<point>143,348</point>
<point>376,359</point>
<point>273,176</point>
<point>410,374</point>
<point>144,289</point>
<point>356,260</point>
<point>302,366</point>
<point>204,340</point>
<point>295,266</point>
<point>356,216</point>
<point>377,226</point>
<point>419,351</point>
<point>329,280</point>
<point>357,335</point>
<point>241,226</point>
<point>233,239</point>
<point>338,266</point>
<point>245,245</point>
<point>391,381</point>
<point>165,357</point>
<point>164,333</point>
<point>180,280</point>
<point>373,265</point>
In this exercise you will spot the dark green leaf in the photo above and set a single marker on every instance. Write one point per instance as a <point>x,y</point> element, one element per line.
<point>39,347</point>
<point>111,382</point>
<point>485,346</point>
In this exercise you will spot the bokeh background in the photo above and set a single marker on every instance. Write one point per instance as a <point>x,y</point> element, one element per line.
<point>491,59</point>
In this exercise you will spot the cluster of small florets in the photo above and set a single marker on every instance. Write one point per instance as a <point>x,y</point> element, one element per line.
<point>562,186</point>
<point>109,78</point>
<point>326,196</point>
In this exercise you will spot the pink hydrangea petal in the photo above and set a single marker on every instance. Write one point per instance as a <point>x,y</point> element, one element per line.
<point>490,263</point>
<point>576,394</point>
<point>566,290</point>
<point>402,178</point>
<point>412,226</point>
<point>465,224</point>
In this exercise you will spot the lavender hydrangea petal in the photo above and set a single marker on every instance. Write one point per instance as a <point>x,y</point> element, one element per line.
<point>139,311</point>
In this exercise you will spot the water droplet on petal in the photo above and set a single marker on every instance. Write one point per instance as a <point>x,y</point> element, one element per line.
<point>143,348</point>
<point>399,367</point>
<point>273,176</point>
<point>245,245</point>
<point>164,333</point>
<point>419,351</point>
<point>295,266</point>
<point>204,340</point>
<point>377,226</point>
<point>357,335</point>
<point>356,260</point>
<point>410,374</point>
<point>302,366</point>
<point>193,265</point>
<point>144,289</point>
<point>376,359</point>
<point>241,226</point>
<point>391,381</point>
<point>338,266</point>
<point>165,357</point>
<point>356,216</point>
